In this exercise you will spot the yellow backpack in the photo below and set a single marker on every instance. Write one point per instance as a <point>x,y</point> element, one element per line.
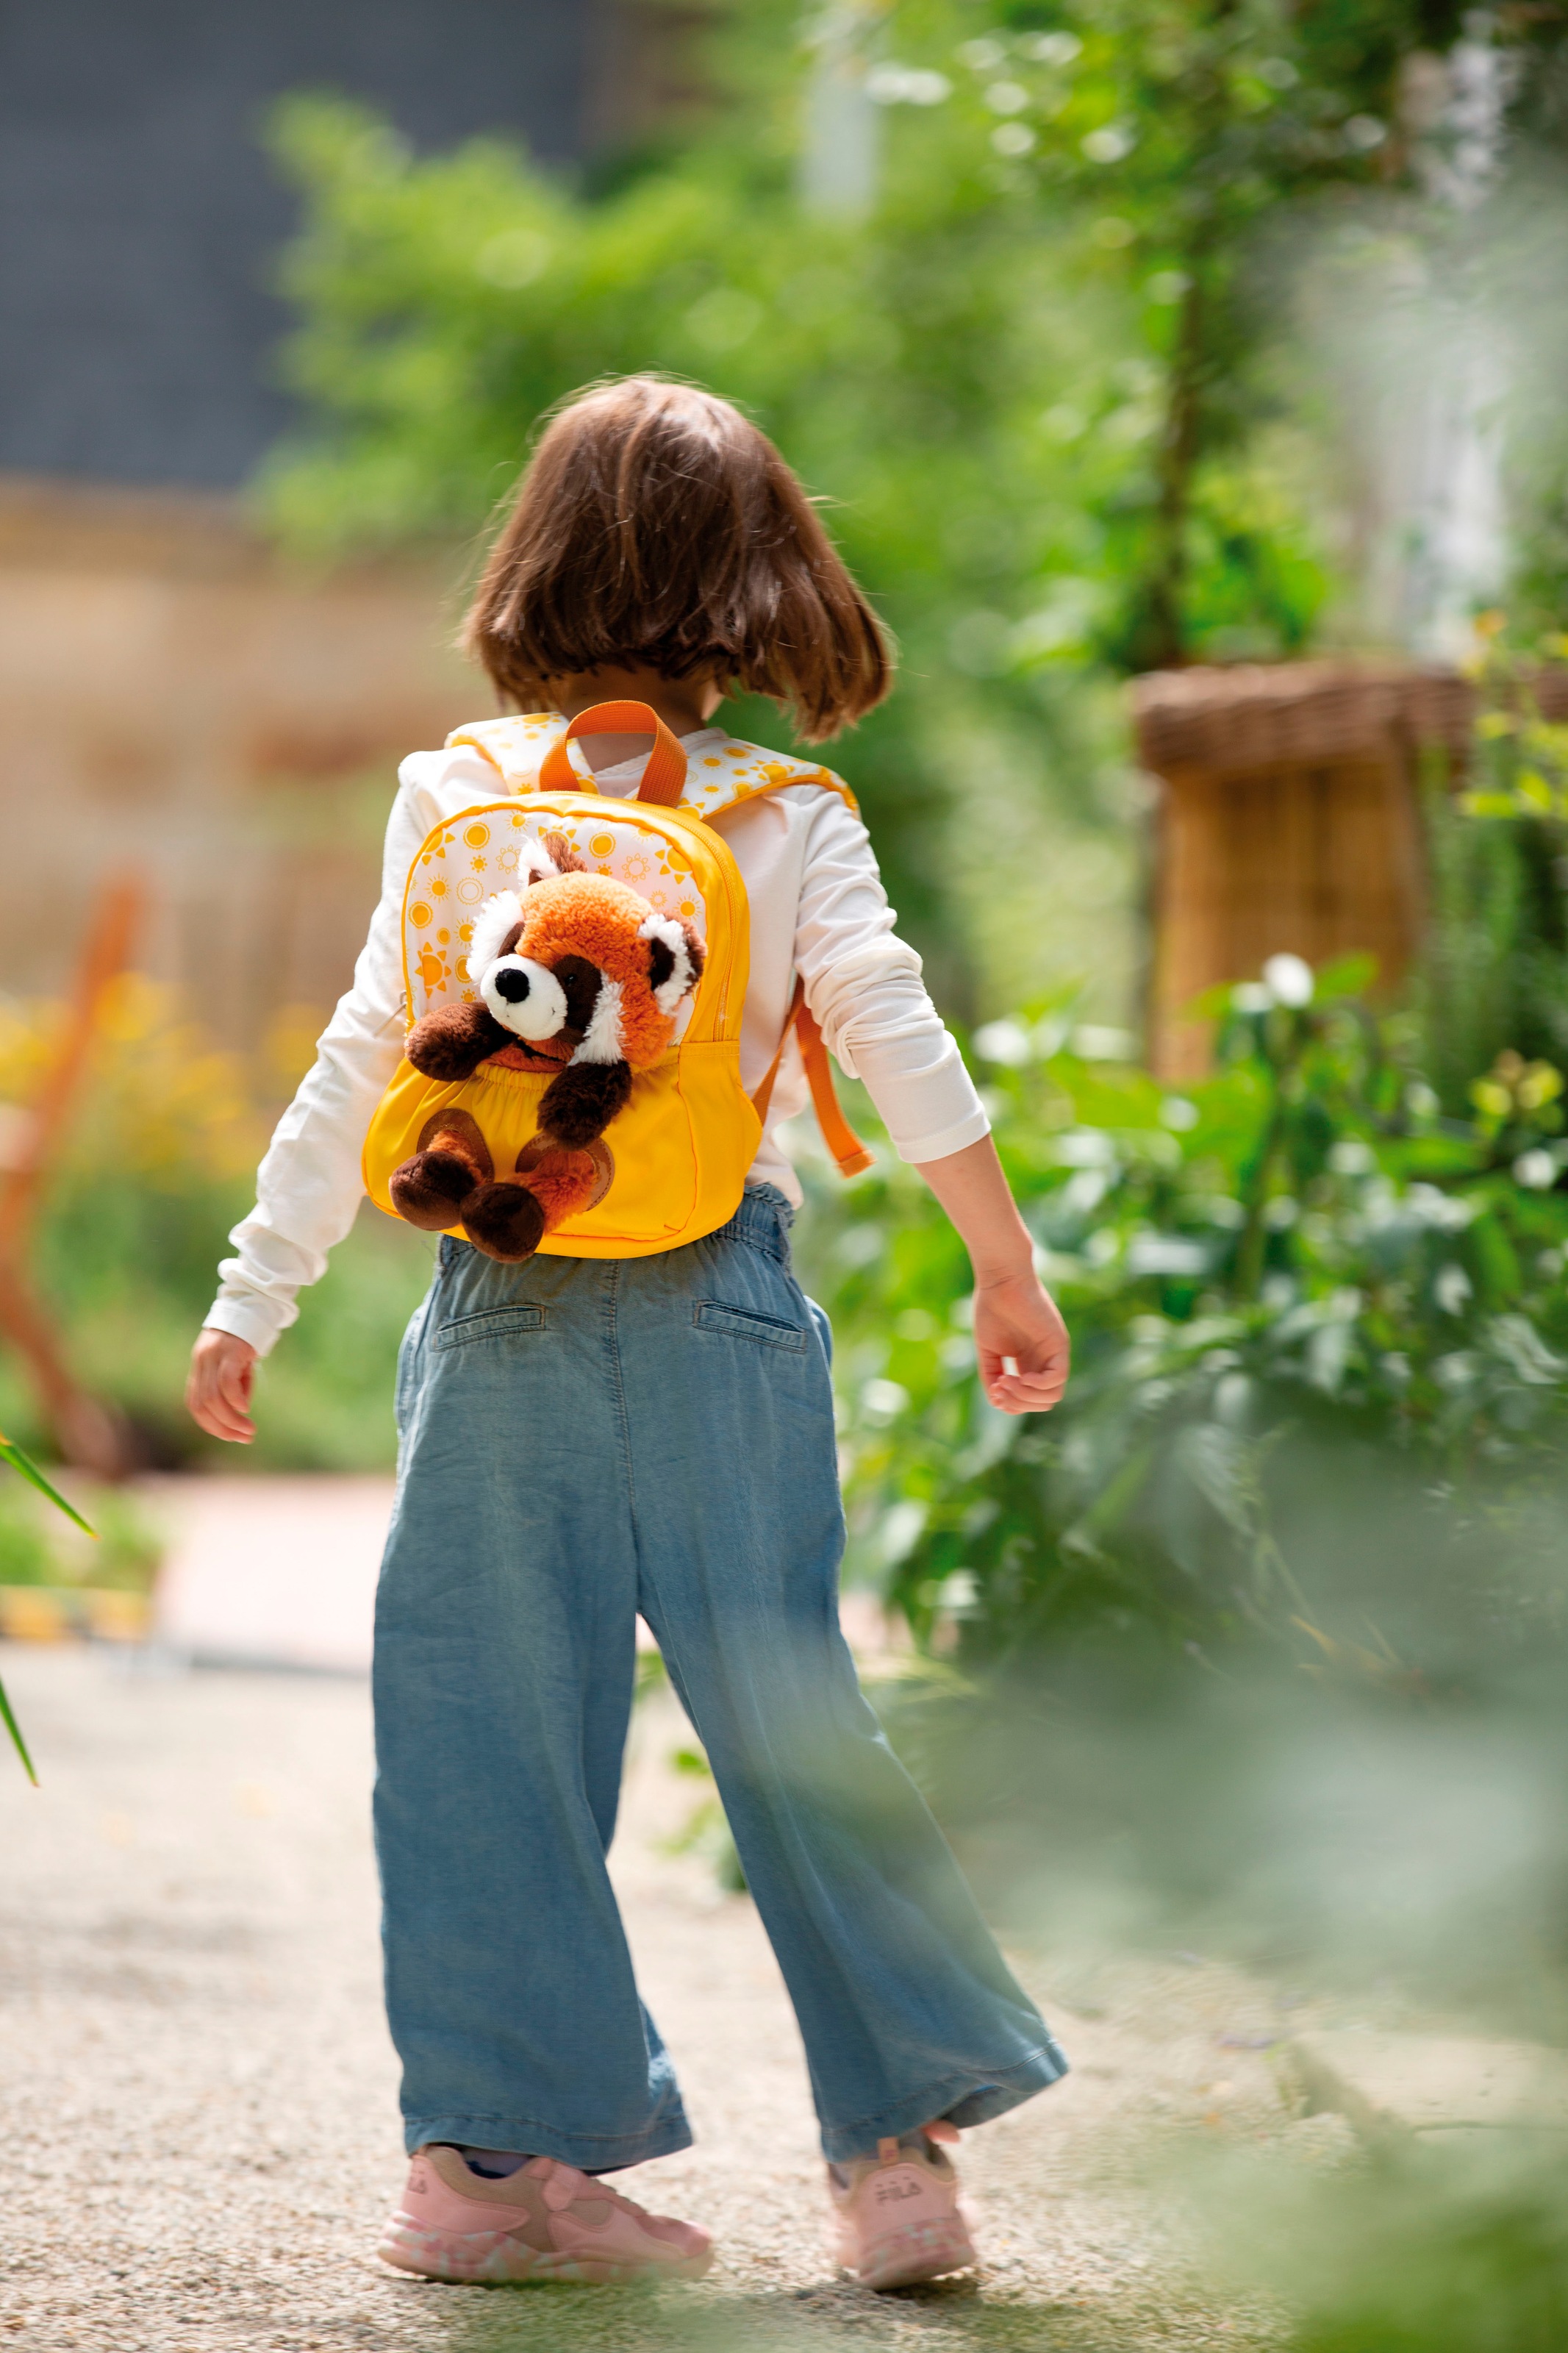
<point>680,1148</point>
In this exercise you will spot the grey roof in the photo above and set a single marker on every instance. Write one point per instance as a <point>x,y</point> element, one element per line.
<point>140,218</point>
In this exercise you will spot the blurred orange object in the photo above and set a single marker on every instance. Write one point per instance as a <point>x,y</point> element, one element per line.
<point>111,1616</point>
<point>88,1432</point>
<point>34,1613</point>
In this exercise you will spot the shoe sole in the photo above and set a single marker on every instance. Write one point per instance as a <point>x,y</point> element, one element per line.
<point>920,2252</point>
<point>494,2258</point>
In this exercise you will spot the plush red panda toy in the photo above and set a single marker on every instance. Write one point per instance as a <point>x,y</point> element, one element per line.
<point>579,976</point>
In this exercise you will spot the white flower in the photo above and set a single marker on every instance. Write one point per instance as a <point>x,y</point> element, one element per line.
<point>1053,48</point>
<point>894,85</point>
<point>1288,980</point>
<point>1451,1289</point>
<point>1537,1169</point>
<point>883,1400</point>
<point>1109,144</point>
<point>900,1531</point>
<point>1007,1042</point>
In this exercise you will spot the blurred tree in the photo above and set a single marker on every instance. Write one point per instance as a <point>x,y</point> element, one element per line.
<point>1181,129</point>
<point>900,365</point>
<point>1029,354</point>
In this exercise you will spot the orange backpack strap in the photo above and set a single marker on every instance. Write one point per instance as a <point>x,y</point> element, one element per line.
<point>836,1133</point>
<point>664,777</point>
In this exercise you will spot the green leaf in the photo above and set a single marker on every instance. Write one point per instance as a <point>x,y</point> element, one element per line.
<point>21,1461</point>
<point>1488,805</point>
<point>15,1729</point>
<point>1347,976</point>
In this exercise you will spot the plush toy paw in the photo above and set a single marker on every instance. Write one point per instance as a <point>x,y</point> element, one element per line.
<point>506,1221</point>
<point>451,1181</point>
<point>429,1190</point>
<point>452,1040</point>
<point>578,1107</point>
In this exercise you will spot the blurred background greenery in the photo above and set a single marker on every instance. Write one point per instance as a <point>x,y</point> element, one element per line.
<point>1149,332</point>
<point>1035,298</point>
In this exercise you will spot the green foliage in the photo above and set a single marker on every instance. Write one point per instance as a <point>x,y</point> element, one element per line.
<point>447,303</point>
<point>1494,977</point>
<point>25,1550</point>
<point>119,1552</point>
<point>15,1731</point>
<point>1320,1336</point>
<point>1032,376</point>
<point>1048,385</point>
<point>132,1289</point>
<point>1430,2251</point>
<point>706,1829</point>
<point>993,378</point>
<point>1180,130</point>
<point>128,1267</point>
<point>27,1557</point>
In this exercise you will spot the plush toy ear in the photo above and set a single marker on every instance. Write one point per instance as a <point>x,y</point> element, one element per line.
<point>566,859</point>
<point>545,859</point>
<point>675,956</point>
<point>496,919</point>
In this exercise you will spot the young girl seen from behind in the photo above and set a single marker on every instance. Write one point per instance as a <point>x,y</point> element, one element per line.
<point>610,1428</point>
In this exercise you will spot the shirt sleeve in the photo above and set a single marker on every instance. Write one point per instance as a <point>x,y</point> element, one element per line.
<point>863,986</point>
<point>309,1186</point>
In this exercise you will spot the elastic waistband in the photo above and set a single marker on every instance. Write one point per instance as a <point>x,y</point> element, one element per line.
<point>763,1218</point>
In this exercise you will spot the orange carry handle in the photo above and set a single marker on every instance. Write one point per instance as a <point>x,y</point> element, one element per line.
<point>664,777</point>
<point>836,1133</point>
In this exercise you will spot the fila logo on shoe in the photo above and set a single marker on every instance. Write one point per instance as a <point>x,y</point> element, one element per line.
<point>419,2183</point>
<point>896,2186</point>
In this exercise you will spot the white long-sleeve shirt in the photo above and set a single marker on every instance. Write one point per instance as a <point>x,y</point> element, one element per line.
<point>817,908</point>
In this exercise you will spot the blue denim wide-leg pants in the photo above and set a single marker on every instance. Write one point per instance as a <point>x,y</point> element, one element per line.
<point>583,1439</point>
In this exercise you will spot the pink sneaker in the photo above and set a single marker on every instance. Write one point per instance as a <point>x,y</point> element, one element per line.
<point>546,2221</point>
<point>899,2213</point>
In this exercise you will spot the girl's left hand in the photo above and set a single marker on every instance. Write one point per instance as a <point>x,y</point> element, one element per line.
<point>1022,1344</point>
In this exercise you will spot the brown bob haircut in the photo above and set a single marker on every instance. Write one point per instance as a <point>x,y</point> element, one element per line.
<point>656,525</point>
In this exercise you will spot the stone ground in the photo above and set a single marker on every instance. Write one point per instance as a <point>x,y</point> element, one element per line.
<point>198,2093</point>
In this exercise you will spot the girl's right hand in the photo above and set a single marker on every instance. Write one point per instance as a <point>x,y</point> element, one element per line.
<point>217,1393</point>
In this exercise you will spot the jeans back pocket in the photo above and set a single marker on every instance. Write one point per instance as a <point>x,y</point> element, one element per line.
<point>746,1323</point>
<point>490,1324</point>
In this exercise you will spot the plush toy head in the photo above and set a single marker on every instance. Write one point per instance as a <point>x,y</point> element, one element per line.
<point>579,968</point>
<point>575,974</point>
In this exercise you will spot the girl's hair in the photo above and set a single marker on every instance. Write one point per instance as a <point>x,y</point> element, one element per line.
<point>655,524</point>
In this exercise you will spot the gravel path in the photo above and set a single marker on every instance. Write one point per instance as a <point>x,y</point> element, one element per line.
<point>199,2095</point>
